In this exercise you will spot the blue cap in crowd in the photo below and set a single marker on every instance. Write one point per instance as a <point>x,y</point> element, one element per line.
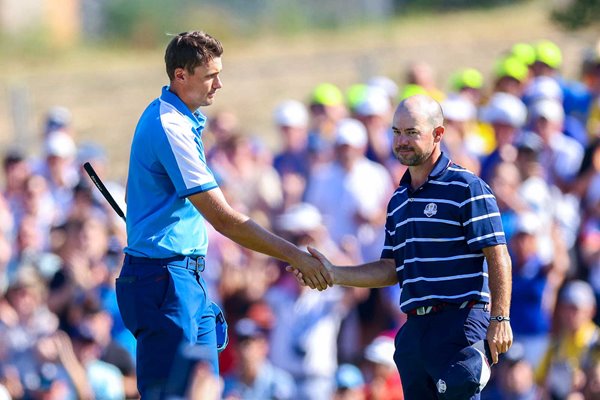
<point>348,376</point>
<point>467,373</point>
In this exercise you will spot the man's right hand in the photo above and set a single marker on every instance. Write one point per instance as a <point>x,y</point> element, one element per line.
<point>313,270</point>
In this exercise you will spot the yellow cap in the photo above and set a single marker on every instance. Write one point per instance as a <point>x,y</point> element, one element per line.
<point>467,78</point>
<point>412,89</point>
<point>511,67</point>
<point>548,53</point>
<point>355,94</point>
<point>327,94</point>
<point>524,52</point>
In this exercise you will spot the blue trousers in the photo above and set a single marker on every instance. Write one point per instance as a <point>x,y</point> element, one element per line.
<point>425,345</point>
<point>165,306</point>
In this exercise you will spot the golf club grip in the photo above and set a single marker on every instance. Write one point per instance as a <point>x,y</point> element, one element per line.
<point>96,179</point>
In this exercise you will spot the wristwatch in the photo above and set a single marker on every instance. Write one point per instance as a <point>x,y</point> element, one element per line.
<point>499,318</point>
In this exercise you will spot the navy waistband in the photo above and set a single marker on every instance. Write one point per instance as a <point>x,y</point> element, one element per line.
<point>435,308</point>
<point>195,263</point>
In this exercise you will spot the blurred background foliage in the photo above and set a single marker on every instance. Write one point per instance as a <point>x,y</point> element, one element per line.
<point>143,23</point>
<point>102,59</point>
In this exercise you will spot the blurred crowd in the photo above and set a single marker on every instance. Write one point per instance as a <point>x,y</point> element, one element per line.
<point>532,134</point>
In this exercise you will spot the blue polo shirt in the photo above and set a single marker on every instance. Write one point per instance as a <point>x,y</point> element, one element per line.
<point>166,165</point>
<point>436,234</point>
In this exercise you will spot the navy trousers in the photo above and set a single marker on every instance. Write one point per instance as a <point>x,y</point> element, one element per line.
<point>164,305</point>
<point>425,345</point>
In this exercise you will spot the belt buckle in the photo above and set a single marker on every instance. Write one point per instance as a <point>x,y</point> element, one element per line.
<point>424,310</point>
<point>196,264</point>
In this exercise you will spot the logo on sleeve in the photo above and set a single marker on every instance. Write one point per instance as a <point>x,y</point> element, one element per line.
<point>430,209</point>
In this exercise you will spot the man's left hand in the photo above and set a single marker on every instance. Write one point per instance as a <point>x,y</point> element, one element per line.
<point>499,337</point>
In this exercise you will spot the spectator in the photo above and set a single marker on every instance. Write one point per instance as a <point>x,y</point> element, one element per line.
<point>535,286</point>
<point>255,184</point>
<point>326,107</point>
<point>562,155</point>
<point>374,111</point>
<point>291,120</point>
<point>506,114</point>
<point>462,142</point>
<point>513,378</point>
<point>511,76</point>
<point>383,379</point>
<point>421,73</point>
<point>59,170</point>
<point>255,377</point>
<point>338,189</point>
<point>559,373</point>
<point>468,84</point>
<point>349,383</point>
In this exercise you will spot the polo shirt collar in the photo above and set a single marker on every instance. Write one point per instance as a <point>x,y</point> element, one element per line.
<point>441,165</point>
<point>197,118</point>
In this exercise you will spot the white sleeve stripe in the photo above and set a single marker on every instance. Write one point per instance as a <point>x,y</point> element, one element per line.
<point>398,191</point>
<point>442,221</point>
<point>183,145</point>
<point>483,294</point>
<point>457,183</point>
<point>466,171</point>
<point>397,208</point>
<point>482,196</point>
<point>436,259</point>
<point>445,278</point>
<point>477,239</point>
<point>423,240</point>
<point>479,218</point>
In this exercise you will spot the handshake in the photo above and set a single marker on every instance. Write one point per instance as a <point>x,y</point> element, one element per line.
<point>313,269</point>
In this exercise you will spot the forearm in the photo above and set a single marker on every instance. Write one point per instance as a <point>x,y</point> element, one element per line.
<point>249,234</point>
<point>500,278</point>
<point>375,274</point>
<point>240,228</point>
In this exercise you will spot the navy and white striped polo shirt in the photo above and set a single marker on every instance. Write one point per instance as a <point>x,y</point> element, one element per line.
<point>436,235</point>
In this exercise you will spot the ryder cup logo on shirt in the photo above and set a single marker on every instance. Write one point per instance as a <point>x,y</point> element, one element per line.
<point>441,386</point>
<point>430,209</point>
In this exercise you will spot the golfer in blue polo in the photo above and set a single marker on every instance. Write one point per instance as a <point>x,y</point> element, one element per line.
<point>170,192</point>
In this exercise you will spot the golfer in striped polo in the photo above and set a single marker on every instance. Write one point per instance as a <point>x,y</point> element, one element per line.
<point>445,247</point>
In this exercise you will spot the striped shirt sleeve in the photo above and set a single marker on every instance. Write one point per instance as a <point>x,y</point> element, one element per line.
<point>480,217</point>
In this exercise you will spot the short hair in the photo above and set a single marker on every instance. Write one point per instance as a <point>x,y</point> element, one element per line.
<point>189,50</point>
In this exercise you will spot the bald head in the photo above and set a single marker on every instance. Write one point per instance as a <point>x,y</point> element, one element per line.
<point>421,108</point>
<point>418,129</point>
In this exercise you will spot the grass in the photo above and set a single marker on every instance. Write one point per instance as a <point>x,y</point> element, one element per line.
<point>107,88</point>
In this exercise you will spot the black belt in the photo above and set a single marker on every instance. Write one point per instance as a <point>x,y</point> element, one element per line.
<point>194,263</point>
<point>435,308</point>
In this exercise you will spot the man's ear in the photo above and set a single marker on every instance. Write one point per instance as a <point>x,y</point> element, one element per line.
<point>180,74</point>
<point>438,132</point>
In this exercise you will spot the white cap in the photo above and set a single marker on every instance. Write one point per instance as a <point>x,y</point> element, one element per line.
<point>351,132</point>
<point>551,110</point>
<point>578,293</point>
<point>302,217</point>
<point>60,144</point>
<point>457,108</point>
<point>505,108</point>
<point>543,87</point>
<point>389,86</point>
<point>374,102</point>
<point>381,351</point>
<point>529,223</point>
<point>291,113</point>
